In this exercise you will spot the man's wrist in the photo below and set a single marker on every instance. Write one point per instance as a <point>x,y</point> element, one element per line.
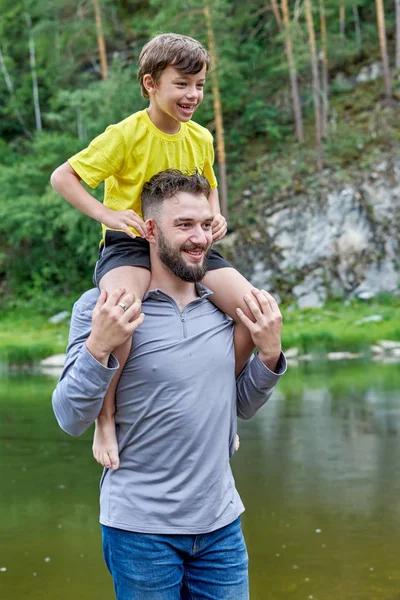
<point>100,354</point>
<point>269,360</point>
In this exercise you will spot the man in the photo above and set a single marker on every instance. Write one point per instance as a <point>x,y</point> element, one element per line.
<point>170,513</point>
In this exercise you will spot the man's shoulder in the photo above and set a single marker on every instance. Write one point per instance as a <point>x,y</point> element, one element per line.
<point>87,301</point>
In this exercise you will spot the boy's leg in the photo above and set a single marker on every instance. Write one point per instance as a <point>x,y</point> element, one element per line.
<point>229,287</point>
<point>218,567</point>
<point>105,447</point>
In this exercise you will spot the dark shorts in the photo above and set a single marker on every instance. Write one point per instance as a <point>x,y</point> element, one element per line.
<point>120,250</point>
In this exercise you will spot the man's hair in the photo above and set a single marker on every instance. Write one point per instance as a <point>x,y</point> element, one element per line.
<point>171,49</point>
<point>167,184</point>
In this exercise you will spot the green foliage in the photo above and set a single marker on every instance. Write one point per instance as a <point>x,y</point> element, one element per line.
<point>47,248</point>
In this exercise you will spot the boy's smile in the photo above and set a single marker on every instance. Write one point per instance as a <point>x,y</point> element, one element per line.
<point>174,98</point>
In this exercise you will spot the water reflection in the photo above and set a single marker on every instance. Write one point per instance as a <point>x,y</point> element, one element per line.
<point>318,474</point>
<point>317,470</point>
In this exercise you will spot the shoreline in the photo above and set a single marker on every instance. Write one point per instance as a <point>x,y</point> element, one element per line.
<point>353,327</point>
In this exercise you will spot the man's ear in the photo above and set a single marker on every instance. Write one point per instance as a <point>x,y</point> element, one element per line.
<point>151,230</point>
<point>149,84</point>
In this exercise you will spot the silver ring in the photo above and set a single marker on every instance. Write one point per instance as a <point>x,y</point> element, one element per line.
<point>123,306</point>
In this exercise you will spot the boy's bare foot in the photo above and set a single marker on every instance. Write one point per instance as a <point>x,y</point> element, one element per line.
<point>105,446</point>
<point>236,444</point>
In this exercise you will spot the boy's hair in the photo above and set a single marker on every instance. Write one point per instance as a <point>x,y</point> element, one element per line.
<point>168,183</point>
<point>171,49</point>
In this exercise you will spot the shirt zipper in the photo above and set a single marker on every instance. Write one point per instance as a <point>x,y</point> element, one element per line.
<point>184,329</point>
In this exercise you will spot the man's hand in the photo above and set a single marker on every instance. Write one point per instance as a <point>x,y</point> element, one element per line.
<point>266,331</point>
<point>219,227</point>
<point>114,320</point>
<point>123,220</point>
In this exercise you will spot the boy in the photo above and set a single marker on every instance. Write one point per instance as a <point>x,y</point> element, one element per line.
<point>172,73</point>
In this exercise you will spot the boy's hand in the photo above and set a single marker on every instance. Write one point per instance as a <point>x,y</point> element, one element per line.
<point>114,320</point>
<point>123,219</point>
<point>219,227</point>
<point>266,331</point>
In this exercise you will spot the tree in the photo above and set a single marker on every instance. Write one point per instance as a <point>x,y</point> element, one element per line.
<point>10,88</point>
<point>324,62</point>
<point>35,87</point>
<point>315,80</point>
<point>342,20</point>
<point>357,27</point>
<point>219,125</point>
<point>100,40</point>
<point>277,14</point>
<point>380,14</point>
<point>397,34</point>
<point>292,66</point>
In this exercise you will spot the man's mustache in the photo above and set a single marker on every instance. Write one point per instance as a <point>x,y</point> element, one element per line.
<point>195,247</point>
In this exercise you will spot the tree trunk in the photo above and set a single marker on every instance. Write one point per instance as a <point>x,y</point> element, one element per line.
<point>10,88</point>
<point>342,17</point>
<point>315,80</point>
<point>277,14</point>
<point>79,123</point>
<point>324,61</point>
<point>292,72</point>
<point>380,14</point>
<point>219,126</point>
<point>100,40</point>
<point>397,62</point>
<point>35,87</point>
<point>357,27</point>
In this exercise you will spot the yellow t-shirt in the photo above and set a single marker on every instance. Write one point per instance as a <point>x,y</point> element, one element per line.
<point>129,153</point>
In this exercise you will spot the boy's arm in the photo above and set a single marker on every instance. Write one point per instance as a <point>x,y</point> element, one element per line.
<point>66,181</point>
<point>257,380</point>
<point>219,225</point>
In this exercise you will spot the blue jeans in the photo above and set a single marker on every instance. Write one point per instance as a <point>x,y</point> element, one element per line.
<point>210,566</point>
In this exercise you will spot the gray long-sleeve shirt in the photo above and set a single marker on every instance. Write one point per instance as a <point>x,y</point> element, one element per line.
<point>176,408</point>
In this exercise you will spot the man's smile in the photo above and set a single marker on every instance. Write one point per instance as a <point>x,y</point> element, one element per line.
<point>195,252</point>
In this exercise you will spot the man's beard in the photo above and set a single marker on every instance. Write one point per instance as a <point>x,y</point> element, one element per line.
<point>173,260</point>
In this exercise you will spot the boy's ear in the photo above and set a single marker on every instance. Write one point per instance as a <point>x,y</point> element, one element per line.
<point>149,84</point>
<point>151,230</point>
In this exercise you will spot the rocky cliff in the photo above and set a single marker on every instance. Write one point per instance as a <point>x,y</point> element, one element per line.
<point>333,240</point>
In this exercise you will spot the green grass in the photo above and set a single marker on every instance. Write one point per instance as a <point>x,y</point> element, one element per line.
<point>27,338</point>
<point>333,327</point>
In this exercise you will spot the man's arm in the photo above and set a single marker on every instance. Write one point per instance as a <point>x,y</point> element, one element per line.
<point>89,365</point>
<point>257,380</point>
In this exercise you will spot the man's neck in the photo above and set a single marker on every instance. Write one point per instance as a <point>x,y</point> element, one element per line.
<point>181,291</point>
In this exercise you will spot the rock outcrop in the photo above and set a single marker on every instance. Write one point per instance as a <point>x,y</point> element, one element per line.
<point>334,242</point>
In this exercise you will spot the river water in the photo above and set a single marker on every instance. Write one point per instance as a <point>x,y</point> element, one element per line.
<point>318,471</point>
